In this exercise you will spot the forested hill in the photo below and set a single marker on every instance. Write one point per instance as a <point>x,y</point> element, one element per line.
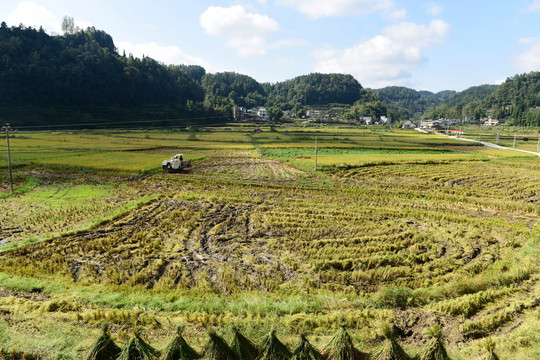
<point>80,78</point>
<point>47,78</point>
<point>318,89</point>
<point>410,103</point>
<point>516,100</point>
<point>469,102</point>
<point>519,98</point>
<point>472,94</point>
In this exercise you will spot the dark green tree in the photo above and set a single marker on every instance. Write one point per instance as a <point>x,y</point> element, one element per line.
<point>275,113</point>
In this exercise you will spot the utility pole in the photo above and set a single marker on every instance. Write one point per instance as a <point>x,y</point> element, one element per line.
<point>316,150</point>
<point>538,145</point>
<point>513,147</point>
<point>480,137</point>
<point>497,142</point>
<point>6,128</point>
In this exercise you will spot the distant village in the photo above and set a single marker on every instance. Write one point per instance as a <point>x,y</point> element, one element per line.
<point>443,124</point>
<point>312,116</point>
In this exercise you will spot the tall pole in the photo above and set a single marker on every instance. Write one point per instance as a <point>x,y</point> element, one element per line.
<point>513,147</point>
<point>316,150</point>
<point>480,137</point>
<point>497,142</point>
<point>7,129</point>
<point>538,145</point>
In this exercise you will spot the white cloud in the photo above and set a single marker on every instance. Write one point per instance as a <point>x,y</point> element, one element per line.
<point>527,41</point>
<point>316,9</point>
<point>529,58</point>
<point>398,14</point>
<point>282,61</point>
<point>248,46</point>
<point>412,34</point>
<point>243,31</point>
<point>29,13</point>
<point>288,43</point>
<point>434,9</point>
<point>164,54</point>
<point>385,59</point>
<point>534,6</point>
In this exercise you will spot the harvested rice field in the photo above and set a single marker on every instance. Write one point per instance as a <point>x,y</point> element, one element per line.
<point>400,244</point>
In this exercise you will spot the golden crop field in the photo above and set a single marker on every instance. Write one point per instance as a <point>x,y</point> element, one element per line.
<point>397,232</point>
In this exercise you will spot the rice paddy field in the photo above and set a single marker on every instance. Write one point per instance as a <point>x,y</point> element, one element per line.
<point>399,242</point>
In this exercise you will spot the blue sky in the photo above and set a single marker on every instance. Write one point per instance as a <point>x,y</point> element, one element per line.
<point>432,45</point>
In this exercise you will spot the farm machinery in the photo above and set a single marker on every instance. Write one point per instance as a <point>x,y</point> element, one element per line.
<point>176,164</point>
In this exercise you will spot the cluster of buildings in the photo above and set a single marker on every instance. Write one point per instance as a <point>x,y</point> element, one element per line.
<point>443,124</point>
<point>261,113</point>
<point>440,124</point>
<point>491,122</point>
<point>243,114</point>
<point>363,120</point>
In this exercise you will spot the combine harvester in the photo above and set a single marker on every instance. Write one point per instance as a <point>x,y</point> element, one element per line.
<point>176,164</point>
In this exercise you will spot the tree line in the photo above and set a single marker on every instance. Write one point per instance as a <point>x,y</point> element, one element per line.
<point>52,79</point>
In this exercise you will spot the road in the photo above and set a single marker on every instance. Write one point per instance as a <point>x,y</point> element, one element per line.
<point>485,143</point>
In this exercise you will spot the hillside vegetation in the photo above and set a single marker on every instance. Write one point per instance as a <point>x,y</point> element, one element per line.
<point>48,80</point>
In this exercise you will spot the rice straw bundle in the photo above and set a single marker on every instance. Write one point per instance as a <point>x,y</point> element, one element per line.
<point>489,345</point>
<point>273,349</point>
<point>219,349</point>
<point>137,349</point>
<point>390,349</point>
<point>179,349</point>
<point>104,348</point>
<point>243,347</point>
<point>305,351</point>
<point>341,348</point>
<point>434,349</point>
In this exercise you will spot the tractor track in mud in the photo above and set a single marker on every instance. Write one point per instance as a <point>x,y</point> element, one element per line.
<point>146,241</point>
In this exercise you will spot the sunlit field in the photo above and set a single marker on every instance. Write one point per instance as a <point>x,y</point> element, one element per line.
<point>395,229</point>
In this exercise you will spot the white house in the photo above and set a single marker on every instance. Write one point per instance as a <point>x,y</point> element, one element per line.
<point>368,120</point>
<point>441,123</point>
<point>386,120</point>
<point>491,122</point>
<point>262,113</point>
<point>407,124</point>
